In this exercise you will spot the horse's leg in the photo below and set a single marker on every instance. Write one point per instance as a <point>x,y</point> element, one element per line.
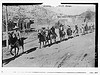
<point>74,33</point>
<point>17,50</point>
<point>50,41</point>
<point>61,38</point>
<point>64,37</point>
<point>22,45</point>
<point>40,44</point>
<point>55,40</point>
<point>11,51</point>
<point>43,43</point>
<point>22,48</point>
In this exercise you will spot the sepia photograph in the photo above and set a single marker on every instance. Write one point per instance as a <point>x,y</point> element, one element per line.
<point>38,35</point>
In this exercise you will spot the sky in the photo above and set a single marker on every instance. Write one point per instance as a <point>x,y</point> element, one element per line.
<point>75,9</point>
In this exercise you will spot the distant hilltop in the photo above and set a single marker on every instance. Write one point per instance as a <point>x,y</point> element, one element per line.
<point>41,15</point>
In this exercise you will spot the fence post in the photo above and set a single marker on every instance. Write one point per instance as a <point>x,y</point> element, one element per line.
<point>6,17</point>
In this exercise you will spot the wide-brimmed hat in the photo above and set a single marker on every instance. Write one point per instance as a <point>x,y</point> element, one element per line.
<point>15,28</point>
<point>43,27</point>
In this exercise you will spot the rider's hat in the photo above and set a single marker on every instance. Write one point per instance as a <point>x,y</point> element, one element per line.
<point>15,28</point>
<point>43,28</point>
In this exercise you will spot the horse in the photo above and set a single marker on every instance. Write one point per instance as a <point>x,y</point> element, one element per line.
<point>61,33</point>
<point>48,36</point>
<point>86,28</point>
<point>69,32</point>
<point>76,31</point>
<point>53,34</point>
<point>91,28</point>
<point>15,43</point>
<point>42,37</point>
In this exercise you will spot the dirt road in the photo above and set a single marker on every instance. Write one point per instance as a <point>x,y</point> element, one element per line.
<point>75,52</point>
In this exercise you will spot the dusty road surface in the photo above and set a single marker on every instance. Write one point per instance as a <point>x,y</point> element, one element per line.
<point>75,52</point>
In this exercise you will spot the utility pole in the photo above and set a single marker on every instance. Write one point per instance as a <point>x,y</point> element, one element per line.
<point>6,17</point>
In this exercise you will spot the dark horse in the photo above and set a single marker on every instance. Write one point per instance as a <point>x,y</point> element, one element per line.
<point>61,33</point>
<point>42,37</point>
<point>76,31</point>
<point>69,32</point>
<point>53,34</point>
<point>15,43</point>
<point>46,36</point>
<point>86,29</point>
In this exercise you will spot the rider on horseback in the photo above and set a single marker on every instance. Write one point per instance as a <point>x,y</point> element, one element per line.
<point>69,31</point>
<point>62,28</point>
<point>15,40</point>
<point>61,32</point>
<point>17,33</point>
<point>53,31</point>
<point>76,30</point>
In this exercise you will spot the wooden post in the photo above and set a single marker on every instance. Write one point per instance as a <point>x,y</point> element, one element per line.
<point>6,17</point>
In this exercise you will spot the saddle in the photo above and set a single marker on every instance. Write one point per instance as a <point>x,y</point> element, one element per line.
<point>18,42</point>
<point>15,44</point>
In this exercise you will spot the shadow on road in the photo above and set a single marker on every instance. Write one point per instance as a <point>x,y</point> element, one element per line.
<point>6,61</point>
<point>59,41</point>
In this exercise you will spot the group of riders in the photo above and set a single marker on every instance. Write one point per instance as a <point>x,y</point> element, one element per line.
<point>47,35</point>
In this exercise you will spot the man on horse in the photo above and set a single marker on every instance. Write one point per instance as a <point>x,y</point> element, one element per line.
<point>16,39</point>
<point>48,36</point>
<point>69,31</point>
<point>76,30</point>
<point>53,31</point>
<point>61,32</point>
<point>42,36</point>
<point>17,33</point>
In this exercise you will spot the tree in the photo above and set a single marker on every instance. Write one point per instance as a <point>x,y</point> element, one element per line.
<point>88,16</point>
